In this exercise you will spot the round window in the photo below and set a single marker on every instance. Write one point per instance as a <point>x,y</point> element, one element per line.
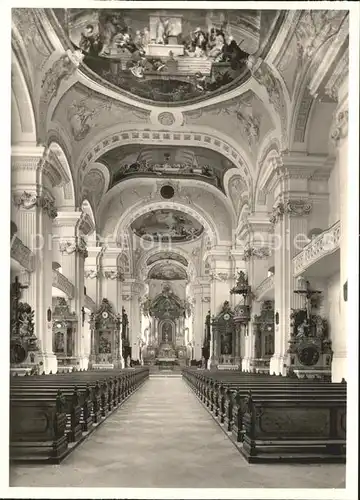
<point>167,192</point>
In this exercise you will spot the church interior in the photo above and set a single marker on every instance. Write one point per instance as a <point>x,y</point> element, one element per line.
<point>179,269</point>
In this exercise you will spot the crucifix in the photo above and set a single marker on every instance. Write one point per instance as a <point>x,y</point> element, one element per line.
<point>308,294</point>
<point>15,291</point>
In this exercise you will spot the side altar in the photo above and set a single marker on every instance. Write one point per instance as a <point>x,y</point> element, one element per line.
<point>106,338</point>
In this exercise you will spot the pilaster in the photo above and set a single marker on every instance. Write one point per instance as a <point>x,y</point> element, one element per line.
<point>92,273</point>
<point>290,220</point>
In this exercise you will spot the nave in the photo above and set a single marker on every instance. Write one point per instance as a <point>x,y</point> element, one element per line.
<point>163,437</point>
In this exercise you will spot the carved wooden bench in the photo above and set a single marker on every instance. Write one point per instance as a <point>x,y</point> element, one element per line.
<point>294,427</point>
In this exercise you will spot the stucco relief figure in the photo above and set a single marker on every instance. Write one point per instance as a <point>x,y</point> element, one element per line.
<point>79,116</point>
<point>61,70</point>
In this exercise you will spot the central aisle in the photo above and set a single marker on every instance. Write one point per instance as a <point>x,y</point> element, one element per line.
<point>163,437</point>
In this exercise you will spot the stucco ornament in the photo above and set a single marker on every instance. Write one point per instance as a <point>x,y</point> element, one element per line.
<point>28,200</point>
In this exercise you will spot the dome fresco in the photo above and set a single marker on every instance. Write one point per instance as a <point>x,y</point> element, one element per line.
<point>165,56</point>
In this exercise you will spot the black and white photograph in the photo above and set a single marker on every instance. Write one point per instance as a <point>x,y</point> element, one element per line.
<point>181,184</point>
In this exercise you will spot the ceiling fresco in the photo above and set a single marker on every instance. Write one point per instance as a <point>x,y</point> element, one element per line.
<point>165,56</point>
<point>167,256</point>
<point>170,162</point>
<point>167,271</point>
<point>167,225</point>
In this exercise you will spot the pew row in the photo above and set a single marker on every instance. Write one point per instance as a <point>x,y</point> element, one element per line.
<point>274,418</point>
<point>51,414</point>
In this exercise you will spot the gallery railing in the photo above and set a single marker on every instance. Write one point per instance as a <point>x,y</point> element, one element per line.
<point>324,244</point>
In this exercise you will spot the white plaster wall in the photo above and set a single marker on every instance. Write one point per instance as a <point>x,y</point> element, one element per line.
<point>333,307</point>
<point>334,196</point>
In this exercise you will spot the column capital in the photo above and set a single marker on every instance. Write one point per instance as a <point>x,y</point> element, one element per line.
<point>112,273</point>
<point>91,273</point>
<point>28,200</point>
<point>261,252</point>
<point>73,244</point>
<point>290,207</point>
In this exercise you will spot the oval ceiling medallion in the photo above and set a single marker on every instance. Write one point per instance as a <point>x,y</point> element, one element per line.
<point>166,118</point>
<point>167,225</point>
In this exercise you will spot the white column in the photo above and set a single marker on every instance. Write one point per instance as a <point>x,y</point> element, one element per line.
<point>137,291</point>
<point>339,338</point>
<point>201,290</point>
<point>221,281</point>
<point>72,247</point>
<point>33,211</point>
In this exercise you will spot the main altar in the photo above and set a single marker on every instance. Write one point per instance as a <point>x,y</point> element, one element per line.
<point>166,343</point>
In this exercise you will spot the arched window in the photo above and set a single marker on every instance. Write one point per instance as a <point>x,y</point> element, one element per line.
<point>271,271</point>
<point>314,232</point>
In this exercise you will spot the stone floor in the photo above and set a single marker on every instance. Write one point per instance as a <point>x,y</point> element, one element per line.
<point>162,437</point>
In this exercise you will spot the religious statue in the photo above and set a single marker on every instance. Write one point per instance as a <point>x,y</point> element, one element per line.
<point>303,329</point>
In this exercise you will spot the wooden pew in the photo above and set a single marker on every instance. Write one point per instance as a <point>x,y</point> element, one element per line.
<point>294,428</point>
<point>225,395</point>
<point>37,427</point>
<point>87,398</point>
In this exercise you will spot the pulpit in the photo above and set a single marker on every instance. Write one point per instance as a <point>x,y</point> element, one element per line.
<point>106,341</point>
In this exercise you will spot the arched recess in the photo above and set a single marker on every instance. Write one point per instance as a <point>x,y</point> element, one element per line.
<point>268,161</point>
<point>23,120</point>
<point>63,187</point>
<point>304,99</point>
<point>94,184</point>
<point>179,267</point>
<point>132,213</point>
<point>198,136</point>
